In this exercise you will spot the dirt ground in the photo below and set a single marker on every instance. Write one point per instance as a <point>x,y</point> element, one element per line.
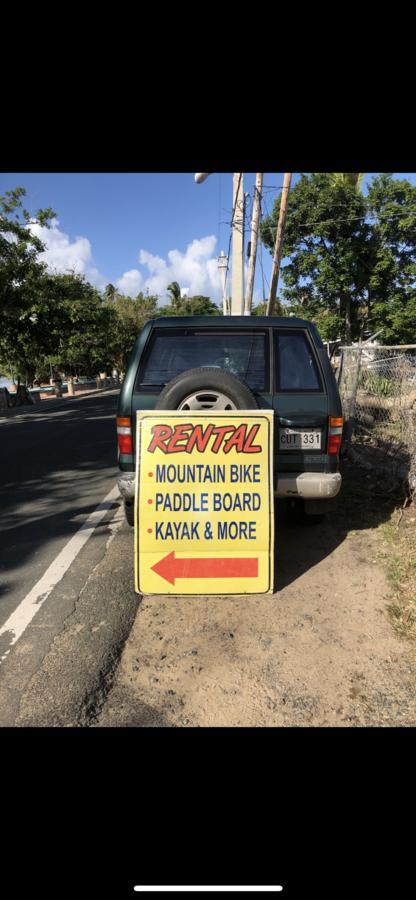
<point>321,651</point>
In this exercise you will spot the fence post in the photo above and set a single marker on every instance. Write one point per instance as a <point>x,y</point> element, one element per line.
<point>355,382</point>
<point>352,400</point>
<point>410,416</point>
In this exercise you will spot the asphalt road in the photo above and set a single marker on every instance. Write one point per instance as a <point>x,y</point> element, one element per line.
<point>57,464</point>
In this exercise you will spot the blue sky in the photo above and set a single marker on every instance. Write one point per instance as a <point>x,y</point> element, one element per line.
<point>106,220</point>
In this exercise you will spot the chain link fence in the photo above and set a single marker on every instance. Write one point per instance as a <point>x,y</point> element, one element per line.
<point>378,391</point>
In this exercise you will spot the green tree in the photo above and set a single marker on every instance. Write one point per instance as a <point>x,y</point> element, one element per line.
<point>351,178</point>
<point>392,296</point>
<point>21,275</point>
<point>175,295</point>
<point>130,316</point>
<point>326,239</point>
<point>199,305</point>
<point>351,258</point>
<point>110,292</point>
<point>329,246</point>
<point>196,305</point>
<point>78,322</point>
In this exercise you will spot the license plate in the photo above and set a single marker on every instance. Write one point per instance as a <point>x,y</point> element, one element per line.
<point>300,439</point>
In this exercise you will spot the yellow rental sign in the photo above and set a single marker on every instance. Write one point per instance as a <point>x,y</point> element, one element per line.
<point>204,502</point>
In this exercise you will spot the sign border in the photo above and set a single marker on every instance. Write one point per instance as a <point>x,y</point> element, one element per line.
<point>141,417</point>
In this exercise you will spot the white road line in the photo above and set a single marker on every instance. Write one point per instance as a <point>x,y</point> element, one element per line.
<point>22,616</point>
<point>270,888</point>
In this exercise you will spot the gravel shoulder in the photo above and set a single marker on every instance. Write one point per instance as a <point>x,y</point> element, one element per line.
<point>321,651</point>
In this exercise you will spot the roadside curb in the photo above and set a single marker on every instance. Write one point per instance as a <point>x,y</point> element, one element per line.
<point>59,404</point>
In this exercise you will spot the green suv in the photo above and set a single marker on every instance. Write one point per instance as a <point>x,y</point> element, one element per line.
<point>241,362</point>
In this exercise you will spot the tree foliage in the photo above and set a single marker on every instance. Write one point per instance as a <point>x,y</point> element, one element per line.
<point>350,258</point>
<point>130,316</point>
<point>392,282</point>
<point>198,305</point>
<point>352,178</point>
<point>21,274</point>
<point>175,295</point>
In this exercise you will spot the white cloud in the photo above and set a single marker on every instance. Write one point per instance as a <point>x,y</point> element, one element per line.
<point>195,270</point>
<point>63,255</point>
<point>155,264</point>
<point>130,283</point>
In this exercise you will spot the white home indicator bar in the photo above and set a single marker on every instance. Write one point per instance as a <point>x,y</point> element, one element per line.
<point>209,888</point>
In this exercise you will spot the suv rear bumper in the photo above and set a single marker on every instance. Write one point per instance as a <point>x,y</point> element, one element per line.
<point>126,484</point>
<point>310,485</point>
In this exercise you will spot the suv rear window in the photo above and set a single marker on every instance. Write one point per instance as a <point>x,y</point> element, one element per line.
<point>242,353</point>
<point>296,367</point>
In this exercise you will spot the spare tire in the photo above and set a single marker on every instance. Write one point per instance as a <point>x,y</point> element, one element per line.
<point>206,388</point>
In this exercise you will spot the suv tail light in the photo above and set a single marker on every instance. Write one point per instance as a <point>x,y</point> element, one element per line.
<point>124,435</point>
<point>334,435</point>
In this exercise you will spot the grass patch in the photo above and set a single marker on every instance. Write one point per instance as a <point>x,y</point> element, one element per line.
<point>365,503</point>
<point>399,556</point>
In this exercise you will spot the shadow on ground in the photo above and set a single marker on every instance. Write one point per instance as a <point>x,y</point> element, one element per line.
<point>363,503</point>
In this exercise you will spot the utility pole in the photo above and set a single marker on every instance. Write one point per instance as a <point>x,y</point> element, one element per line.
<point>222,267</point>
<point>237,252</point>
<point>237,283</point>
<point>278,244</point>
<point>255,226</point>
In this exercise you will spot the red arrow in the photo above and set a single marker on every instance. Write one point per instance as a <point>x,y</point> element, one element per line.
<point>170,568</point>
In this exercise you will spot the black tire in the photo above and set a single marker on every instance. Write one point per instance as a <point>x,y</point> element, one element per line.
<point>129,512</point>
<point>206,378</point>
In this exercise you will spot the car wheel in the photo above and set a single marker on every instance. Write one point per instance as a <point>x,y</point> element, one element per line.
<point>129,511</point>
<point>206,388</point>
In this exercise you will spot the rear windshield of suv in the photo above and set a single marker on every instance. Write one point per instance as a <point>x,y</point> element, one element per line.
<point>296,367</point>
<point>243,354</point>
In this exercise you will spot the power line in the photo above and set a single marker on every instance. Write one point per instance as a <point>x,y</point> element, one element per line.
<point>365,217</point>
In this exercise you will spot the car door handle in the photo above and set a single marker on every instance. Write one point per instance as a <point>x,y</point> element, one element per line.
<point>302,422</point>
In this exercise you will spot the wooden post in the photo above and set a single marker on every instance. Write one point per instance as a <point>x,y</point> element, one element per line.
<point>278,244</point>
<point>255,225</point>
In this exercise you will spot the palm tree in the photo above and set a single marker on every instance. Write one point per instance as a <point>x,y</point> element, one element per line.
<point>110,292</point>
<point>175,294</point>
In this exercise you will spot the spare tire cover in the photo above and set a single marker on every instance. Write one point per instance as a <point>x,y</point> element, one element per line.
<point>206,378</point>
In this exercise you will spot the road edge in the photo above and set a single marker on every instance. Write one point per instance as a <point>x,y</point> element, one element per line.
<point>73,681</point>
